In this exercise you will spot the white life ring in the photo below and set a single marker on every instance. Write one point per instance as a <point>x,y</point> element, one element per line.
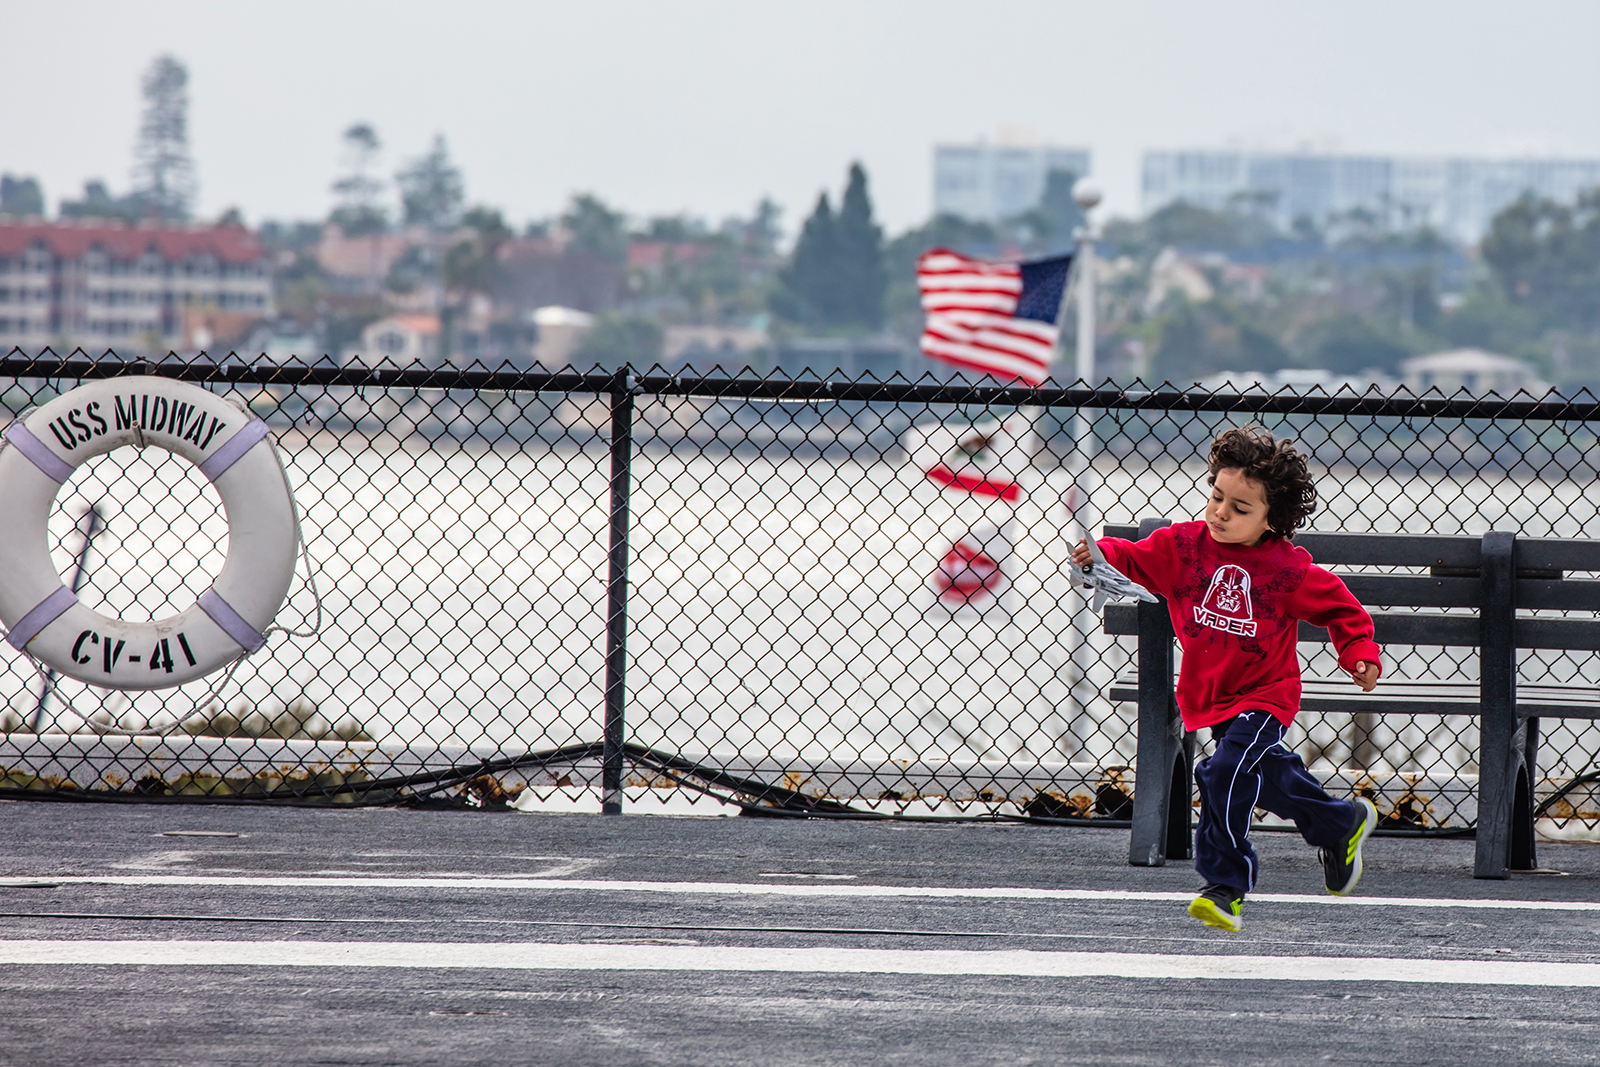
<point>232,449</point>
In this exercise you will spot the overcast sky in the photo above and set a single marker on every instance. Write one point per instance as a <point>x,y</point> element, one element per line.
<point>660,106</point>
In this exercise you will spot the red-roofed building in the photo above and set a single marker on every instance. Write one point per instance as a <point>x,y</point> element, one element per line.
<point>97,285</point>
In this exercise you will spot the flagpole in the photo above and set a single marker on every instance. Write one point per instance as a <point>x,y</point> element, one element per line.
<point>1086,193</point>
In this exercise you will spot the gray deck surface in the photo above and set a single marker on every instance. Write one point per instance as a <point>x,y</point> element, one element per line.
<point>136,1012</point>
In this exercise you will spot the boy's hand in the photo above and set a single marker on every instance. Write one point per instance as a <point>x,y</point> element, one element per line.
<point>1366,675</point>
<point>1080,553</point>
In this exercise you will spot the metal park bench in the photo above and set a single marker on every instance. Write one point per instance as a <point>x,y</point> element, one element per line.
<point>1495,575</point>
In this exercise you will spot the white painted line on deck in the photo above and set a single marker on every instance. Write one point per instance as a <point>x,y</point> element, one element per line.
<point>592,885</point>
<point>610,957</point>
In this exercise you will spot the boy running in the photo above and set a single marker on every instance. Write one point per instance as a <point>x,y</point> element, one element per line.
<point>1237,589</point>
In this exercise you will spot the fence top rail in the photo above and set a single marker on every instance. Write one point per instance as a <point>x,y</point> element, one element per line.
<point>813,388</point>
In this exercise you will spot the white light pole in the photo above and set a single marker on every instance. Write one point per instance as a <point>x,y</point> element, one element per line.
<point>1087,194</point>
<point>1081,654</point>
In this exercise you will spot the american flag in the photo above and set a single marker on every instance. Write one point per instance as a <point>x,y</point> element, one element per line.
<point>998,318</point>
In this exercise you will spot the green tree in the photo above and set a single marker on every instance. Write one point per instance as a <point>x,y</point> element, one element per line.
<point>1487,319</point>
<point>418,263</point>
<point>942,231</point>
<point>761,233</point>
<point>805,286</point>
<point>1200,339</point>
<point>20,196</point>
<point>163,172</point>
<point>836,276</point>
<point>431,189</point>
<point>472,264</point>
<point>619,339</point>
<point>1545,256</point>
<point>98,203</point>
<point>860,280</point>
<point>1058,214</point>
<point>675,229</point>
<point>595,228</point>
<point>1188,225</point>
<point>1346,343</point>
<point>358,211</point>
<point>904,302</point>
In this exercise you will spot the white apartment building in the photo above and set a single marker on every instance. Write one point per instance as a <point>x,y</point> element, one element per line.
<point>99,285</point>
<point>1458,197</point>
<point>989,182</point>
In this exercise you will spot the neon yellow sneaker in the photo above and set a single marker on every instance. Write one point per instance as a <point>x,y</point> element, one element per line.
<point>1341,863</point>
<point>1219,906</point>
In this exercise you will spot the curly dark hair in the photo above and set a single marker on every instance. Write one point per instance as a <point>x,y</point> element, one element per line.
<point>1280,470</point>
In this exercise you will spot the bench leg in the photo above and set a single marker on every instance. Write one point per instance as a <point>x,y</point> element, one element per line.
<point>1523,854</point>
<point>1163,792</point>
<point>1505,800</point>
<point>1180,805</point>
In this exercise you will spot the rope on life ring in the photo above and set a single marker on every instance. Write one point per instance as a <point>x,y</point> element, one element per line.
<point>45,619</point>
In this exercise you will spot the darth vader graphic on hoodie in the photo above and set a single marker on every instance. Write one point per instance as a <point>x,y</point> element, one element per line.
<point>1236,611</point>
<point>1227,604</point>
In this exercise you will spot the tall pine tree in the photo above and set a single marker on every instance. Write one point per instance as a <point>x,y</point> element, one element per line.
<point>861,279</point>
<point>163,175</point>
<point>836,276</point>
<point>806,287</point>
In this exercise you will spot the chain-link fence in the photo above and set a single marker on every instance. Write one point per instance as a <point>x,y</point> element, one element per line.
<point>797,595</point>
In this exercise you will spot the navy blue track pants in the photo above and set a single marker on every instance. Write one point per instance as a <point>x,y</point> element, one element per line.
<point>1252,768</point>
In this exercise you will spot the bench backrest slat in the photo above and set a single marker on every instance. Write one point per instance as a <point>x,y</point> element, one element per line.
<point>1391,550</point>
<point>1557,554</point>
<point>1414,591</point>
<point>1374,549</point>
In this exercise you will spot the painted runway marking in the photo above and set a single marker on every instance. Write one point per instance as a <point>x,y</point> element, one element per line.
<point>614,957</point>
<point>588,885</point>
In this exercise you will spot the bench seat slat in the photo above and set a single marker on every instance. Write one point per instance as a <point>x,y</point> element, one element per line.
<point>1423,628</point>
<point>1424,591</point>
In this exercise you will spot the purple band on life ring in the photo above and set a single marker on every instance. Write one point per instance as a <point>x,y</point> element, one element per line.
<point>244,635</point>
<point>43,614</point>
<point>55,468</point>
<point>229,452</point>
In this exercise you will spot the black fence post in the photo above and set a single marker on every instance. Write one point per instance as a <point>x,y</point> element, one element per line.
<point>617,594</point>
<point>1498,760</point>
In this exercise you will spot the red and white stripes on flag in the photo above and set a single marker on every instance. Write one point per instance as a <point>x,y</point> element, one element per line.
<point>997,318</point>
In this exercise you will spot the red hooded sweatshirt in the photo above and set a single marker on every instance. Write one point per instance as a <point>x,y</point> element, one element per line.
<point>1236,611</point>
